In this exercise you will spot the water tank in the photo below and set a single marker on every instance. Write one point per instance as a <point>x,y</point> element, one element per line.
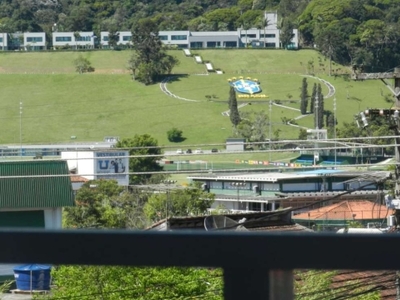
<point>32,277</point>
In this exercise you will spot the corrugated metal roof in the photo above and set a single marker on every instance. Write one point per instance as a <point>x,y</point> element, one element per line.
<point>36,188</point>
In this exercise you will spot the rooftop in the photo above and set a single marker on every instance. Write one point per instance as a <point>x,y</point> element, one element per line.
<point>347,210</point>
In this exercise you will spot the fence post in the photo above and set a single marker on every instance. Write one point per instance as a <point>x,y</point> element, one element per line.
<point>246,283</point>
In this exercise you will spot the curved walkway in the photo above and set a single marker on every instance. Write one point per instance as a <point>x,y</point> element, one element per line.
<point>163,87</point>
<point>331,92</point>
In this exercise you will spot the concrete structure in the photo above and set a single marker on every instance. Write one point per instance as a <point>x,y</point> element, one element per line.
<point>3,41</point>
<point>176,38</point>
<point>34,41</point>
<point>84,39</point>
<point>235,144</point>
<point>111,164</point>
<point>124,38</point>
<point>270,191</point>
<point>214,39</point>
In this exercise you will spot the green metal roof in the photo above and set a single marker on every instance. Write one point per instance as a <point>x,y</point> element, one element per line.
<point>29,184</point>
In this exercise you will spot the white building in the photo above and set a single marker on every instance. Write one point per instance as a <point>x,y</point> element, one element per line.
<point>177,38</point>
<point>82,39</point>
<point>124,38</point>
<point>34,41</point>
<point>3,41</point>
<point>109,164</point>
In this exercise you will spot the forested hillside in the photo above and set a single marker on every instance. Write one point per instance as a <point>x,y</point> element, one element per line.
<point>349,31</point>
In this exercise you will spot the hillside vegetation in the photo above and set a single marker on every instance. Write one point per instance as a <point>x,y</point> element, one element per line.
<point>58,103</point>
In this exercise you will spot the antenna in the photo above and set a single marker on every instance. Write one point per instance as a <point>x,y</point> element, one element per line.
<point>220,223</point>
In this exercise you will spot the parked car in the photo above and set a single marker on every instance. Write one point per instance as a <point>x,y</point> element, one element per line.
<point>214,150</point>
<point>198,151</point>
<point>189,151</point>
<point>179,151</point>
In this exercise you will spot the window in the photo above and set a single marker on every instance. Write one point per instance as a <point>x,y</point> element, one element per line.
<point>231,44</point>
<point>126,38</point>
<point>178,37</point>
<point>255,206</point>
<point>83,38</point>
<point>252,36</point>
<point>105,38</point>
<point>270,45</point>
<point>1,39</point>
<point>163,37</point>
<point>213,44</point>
<point>196,45</point>
<point>268,35</point>
<point>34,39</point>
<point>63,38</point>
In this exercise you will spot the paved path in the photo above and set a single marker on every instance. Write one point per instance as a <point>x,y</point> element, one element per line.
<point>331,92</point>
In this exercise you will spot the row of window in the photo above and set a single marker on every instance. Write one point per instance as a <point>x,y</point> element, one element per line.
<point>253,36</point>
<point>69,39</point>
<point>173,37</point>
<point>213,44</point>
<point>34,39</point>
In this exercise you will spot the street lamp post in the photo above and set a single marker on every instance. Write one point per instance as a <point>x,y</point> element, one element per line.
<point>238,185</point>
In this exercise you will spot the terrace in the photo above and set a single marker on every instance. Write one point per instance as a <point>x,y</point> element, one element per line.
<point>264,270</point>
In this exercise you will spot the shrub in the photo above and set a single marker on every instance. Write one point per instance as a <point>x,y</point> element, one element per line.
<point>174,135</point>
<point>83,65</point>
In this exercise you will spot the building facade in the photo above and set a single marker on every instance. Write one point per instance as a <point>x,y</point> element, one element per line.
<point>270,191</point>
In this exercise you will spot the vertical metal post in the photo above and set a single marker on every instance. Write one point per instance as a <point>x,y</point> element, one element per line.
<point>281,285</point>
<point>20,128</point>
<point>334,125</point>
<point>270,124</point>
<point>246,283</point>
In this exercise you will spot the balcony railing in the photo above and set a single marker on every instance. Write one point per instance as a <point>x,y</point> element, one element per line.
<point>256,265</point>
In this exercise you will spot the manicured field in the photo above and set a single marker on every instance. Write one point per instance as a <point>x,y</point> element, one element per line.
<point>58,103</point>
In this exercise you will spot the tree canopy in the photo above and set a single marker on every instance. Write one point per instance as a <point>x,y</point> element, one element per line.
<point>150,59</point>
<point>146,146</point>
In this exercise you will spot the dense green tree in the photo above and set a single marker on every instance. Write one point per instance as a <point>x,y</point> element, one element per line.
<point>147,147</point>
<point>304,97</point>
<point>254,127</point>
<point>93,206</point>
<point>113,37</point>
<point>302,134</point>
<point>223,16</point>
<point>233,108</point>
<point>150,59</point>
<point>286,35</point>
<point>174,135</point>
<point>313,98</point>
<point>178,203</point>
<point>321,106</point>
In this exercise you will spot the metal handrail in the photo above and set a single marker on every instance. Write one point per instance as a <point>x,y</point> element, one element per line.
<point>249,259</point>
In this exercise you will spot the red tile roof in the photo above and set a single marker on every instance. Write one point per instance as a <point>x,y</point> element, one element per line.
<point>77,178</point>
<point>347,210</point>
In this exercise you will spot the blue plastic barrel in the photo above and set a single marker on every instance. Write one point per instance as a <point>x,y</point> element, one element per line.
<point>32,277</point>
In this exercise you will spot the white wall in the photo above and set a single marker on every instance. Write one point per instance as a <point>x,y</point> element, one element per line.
<point>53,218</point>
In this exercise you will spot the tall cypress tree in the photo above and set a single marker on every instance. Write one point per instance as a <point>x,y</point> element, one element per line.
<point>321,109</point>
<point>233,107</point>
<point>303,97</point>
<point>313,95</point>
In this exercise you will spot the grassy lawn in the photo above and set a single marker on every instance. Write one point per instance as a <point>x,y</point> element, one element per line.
<point>58,103</point>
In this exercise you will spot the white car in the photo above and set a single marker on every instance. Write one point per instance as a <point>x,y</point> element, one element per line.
<point>179,151</point>
<point>198,151</point>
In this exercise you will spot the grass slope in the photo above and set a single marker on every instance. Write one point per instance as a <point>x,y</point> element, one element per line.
<point>58,103</point>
